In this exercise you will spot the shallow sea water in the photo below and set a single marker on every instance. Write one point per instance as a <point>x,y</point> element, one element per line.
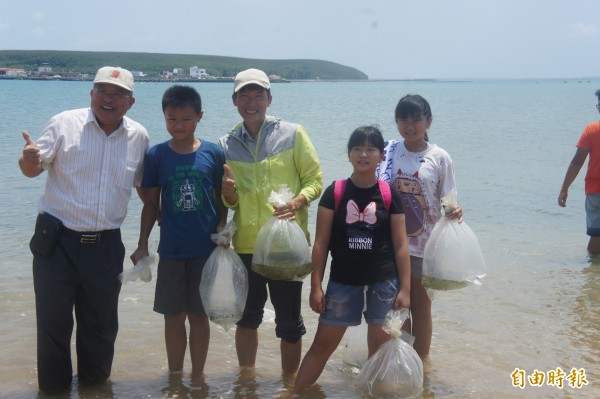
<point>538,309</point>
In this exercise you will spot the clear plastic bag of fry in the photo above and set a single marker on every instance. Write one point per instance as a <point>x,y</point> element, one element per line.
<point>141,270</point>
<point>224,284</point>
<point>452,256</point>
<point>281,251</point>
<point>355,352</point>
<point>395,370</point>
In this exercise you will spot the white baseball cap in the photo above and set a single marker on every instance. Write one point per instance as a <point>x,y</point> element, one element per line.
<point>115,76</point>
<point>251,77</point>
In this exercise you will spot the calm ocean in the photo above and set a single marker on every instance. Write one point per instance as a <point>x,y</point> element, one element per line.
<point>538,311</point>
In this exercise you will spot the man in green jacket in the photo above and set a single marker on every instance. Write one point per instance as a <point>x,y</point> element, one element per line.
<point>261,153</point>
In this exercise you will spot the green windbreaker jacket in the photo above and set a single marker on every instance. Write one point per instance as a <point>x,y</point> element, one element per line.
<point>283,154</point>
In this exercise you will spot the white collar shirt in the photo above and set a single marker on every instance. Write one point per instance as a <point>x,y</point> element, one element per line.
<point>90,174</point>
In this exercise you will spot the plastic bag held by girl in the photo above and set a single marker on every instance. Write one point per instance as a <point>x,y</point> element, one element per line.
<point>281,250</point>
<point>452,256</point>
<point>395,370</point>
<point>224,284</point>
<point>355,352</point>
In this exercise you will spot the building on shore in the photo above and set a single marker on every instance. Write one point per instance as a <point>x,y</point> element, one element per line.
<point>198,73</point>
<point>13,72</point>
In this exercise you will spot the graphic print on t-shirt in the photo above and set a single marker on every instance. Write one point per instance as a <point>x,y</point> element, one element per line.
<point>187,201</point>
<point>187,195</point>
<point>413,200</point>
<point>360,225</point>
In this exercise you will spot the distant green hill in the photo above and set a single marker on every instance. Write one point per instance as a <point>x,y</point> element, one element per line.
<point>153,64</point>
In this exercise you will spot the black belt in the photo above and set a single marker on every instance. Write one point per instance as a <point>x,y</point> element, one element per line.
<point>88,237</point>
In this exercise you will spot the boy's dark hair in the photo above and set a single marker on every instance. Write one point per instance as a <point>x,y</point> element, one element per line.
<point>412,106</point>
<point>370,134</point>
<point>181,96</point>
<point>598,94</point>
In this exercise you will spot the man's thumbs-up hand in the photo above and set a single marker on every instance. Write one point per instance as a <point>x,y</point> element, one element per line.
<point>228,186</point>
<point>30,162</point>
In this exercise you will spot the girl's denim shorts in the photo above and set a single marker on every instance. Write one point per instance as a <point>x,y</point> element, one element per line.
<point>345,304</point>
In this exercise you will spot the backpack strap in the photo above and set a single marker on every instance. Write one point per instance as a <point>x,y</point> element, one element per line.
<point>384,188</point>
<point>338,192</point>
<point>386,193</point>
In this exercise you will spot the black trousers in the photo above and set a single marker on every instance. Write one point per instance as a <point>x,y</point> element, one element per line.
<point>286,297</point>
<point>81,275</point>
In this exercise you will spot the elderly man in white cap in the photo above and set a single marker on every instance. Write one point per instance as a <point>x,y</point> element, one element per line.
<point>262,152</point>
<point>94,158</point>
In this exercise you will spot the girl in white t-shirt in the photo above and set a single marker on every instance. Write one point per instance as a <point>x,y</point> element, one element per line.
<point>422,173</point>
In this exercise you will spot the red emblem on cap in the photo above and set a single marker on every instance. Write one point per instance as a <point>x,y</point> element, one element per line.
<point>115,74</point>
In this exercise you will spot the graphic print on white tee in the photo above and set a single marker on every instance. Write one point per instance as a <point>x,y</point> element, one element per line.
<point>413,201</point>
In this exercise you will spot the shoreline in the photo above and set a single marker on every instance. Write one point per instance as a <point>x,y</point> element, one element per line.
<point>231,80</point>
<point>136,78</point>
<point>217,80</point>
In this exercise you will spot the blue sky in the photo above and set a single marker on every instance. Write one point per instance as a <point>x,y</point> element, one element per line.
<point>398,39</point>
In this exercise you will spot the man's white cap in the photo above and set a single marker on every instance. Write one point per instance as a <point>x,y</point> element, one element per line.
<point>251,77</point>
<point>115,76</point>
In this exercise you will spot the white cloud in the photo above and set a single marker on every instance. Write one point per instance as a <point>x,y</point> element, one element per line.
<point>4,27</point>
<point>582,30</point>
